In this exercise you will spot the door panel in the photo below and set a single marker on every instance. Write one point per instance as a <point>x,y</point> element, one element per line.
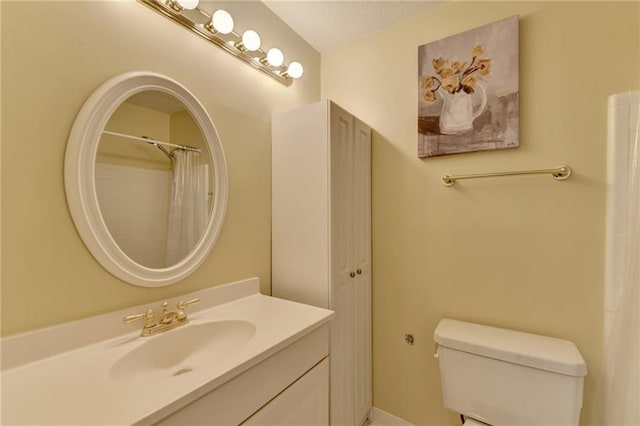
<point>342,246</point>
<point>362,286</point>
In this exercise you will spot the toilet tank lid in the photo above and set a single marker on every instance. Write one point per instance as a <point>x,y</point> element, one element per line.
<point>542,352</point>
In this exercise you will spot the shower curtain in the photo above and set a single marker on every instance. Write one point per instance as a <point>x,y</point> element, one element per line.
<point>622,356</point>
<point>187,205</point>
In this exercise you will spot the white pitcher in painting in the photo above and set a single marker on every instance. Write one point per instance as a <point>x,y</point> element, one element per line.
<point>457,111</point>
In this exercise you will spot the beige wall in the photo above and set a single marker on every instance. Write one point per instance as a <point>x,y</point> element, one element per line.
<point>524,253</point>
<point>54,54</point>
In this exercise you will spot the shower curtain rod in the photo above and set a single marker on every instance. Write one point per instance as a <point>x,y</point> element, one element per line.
<point>151,141</point>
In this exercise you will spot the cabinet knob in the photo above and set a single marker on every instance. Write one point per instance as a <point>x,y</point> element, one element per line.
<point>359,271</point>
<point>352,274</point>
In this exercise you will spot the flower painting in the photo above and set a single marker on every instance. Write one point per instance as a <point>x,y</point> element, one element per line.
<point>468,91</point>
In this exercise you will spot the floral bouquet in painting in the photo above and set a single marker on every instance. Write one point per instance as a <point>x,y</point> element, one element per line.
<point>456,81</point>
<point>454,77</point>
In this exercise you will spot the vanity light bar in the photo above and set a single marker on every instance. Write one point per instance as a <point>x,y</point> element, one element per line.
<point>218,29</point>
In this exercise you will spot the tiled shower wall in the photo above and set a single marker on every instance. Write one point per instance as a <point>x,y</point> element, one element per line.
<point>134,204</point>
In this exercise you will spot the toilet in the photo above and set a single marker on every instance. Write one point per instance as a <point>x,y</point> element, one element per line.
<point>499,377</point>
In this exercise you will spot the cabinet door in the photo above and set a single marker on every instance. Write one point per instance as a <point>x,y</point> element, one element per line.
<point>342,267</point>
<point>361,210</point>
<point>362,256</point>
<point>305,402</point>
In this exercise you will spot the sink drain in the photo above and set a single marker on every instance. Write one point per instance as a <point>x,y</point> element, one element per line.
<point>182,371</point>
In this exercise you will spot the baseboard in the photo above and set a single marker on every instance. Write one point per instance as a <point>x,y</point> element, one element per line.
<point>382,418</point>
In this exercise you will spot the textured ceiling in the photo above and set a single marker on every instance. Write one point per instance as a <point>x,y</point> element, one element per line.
<point>327,24</point>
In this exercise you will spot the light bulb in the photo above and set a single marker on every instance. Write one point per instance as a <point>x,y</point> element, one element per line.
<point>187,4</point>
<point>251,40</point>
<point>275,57</point>
<point>222,21</point>
<point>295,70</point>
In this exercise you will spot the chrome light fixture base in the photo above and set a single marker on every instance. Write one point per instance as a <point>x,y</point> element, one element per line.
<point>198,22</point>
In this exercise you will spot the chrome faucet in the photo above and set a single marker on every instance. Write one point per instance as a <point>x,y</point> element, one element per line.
<point>168,320</point>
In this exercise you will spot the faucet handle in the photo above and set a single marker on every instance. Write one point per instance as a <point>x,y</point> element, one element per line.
<point>182,306</point>
<point>147,316</point>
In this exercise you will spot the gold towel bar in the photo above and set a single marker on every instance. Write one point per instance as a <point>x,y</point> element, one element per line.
<point>559,173</point>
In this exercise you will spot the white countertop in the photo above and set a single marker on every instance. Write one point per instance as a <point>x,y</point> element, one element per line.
<point>76,387</point>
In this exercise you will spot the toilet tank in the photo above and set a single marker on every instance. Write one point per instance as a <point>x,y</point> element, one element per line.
<point>506,377</point>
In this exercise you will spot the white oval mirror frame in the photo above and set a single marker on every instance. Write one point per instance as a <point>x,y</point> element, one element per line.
<point>79,172</point>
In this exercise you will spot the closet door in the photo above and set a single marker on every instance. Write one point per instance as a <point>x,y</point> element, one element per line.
<point>342,270</point>
<point>361,177</point>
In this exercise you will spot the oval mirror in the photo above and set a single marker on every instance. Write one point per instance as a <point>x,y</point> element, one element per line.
<point>146,179</point>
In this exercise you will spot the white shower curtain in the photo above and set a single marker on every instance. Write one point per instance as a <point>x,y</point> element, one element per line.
<point>622,378</point>
<point>187,205</point>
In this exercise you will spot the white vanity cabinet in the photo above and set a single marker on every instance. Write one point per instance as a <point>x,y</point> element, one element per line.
<point>242,357</point>
<point>321,238</point>
<point>288,388</point>
<point>305,402</point>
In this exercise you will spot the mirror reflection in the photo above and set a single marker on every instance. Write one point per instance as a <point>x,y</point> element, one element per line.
<point>154,179</point>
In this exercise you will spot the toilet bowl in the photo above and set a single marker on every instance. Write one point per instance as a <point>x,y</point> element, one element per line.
<point>495,376</point>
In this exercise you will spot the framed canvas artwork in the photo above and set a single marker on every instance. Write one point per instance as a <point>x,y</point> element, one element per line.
<point>468,91</point>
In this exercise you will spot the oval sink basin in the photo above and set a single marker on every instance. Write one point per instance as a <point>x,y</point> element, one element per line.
<point>183,349</point>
